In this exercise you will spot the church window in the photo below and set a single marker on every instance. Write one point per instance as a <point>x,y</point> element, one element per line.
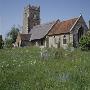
<point>54,40</point>
<point>64,39</point>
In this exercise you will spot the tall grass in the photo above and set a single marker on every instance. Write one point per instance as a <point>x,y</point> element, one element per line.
<point>25,69</point>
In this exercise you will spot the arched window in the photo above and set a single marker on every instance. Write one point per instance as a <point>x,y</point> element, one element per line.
<point>54,40</point>
<point>64,39</point>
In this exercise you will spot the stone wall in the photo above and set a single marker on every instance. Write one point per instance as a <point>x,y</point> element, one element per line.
<point>57,40</point>
<point>80,23</point>
<point>18,41</point>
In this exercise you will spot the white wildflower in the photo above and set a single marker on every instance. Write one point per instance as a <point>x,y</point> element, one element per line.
<point>34,62</point>
<point>65,54</point>
<point>75,66</point>
<point>22,70</point>
<point>27,51</point>
<point>14,60</point>
<point>19,65</point>
<point>3,62</point>
<point>21,62</point>
<point>7,65</point>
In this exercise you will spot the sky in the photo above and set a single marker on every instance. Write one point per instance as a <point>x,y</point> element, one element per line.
<point>11,11</point>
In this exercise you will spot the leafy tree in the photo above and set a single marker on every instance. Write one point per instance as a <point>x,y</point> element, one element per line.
<point>8,43</point>
<point>11,36</point>
<point>1,42</point>
<point>85,41</point>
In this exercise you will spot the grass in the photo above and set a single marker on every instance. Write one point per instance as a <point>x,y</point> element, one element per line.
<point>24,69</point>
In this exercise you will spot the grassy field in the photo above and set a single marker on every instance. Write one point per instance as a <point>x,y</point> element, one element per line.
<point>25,69</point>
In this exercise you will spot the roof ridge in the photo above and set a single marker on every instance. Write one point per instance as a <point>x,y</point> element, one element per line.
<point>75,22</point>
<point>53,22</point>
<point>68,19</point>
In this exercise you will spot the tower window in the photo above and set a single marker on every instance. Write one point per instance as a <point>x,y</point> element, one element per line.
<point>64,39</point>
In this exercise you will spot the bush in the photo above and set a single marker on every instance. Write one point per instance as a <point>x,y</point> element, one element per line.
<point>11,37</point>
<point>8,43</point>
<point>1,42</point>
<point>85,41</point>
<point>13,34</point>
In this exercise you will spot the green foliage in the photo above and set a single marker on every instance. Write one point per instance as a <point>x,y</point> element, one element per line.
<point>1,42</point>
<point>8,43</point>
<point>23,69</point>
<point>13,34</point>
<point>85,41</point>
<point>11,37</point>
<point>58,53</point>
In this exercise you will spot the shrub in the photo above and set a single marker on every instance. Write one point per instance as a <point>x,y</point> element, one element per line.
<point>1,42</point>
<point>13,34</point>
<point>85,41</point>
<point>11,37</point>
<point>8,43</point>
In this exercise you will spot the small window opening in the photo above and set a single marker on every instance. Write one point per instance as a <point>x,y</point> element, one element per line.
<point>64,39</point>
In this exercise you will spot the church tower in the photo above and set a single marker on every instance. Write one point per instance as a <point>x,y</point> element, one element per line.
<point>31,18</point>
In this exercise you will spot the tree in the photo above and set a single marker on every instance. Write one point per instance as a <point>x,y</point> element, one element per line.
<point>1,42</point>
<point>8,43</point>
<point>11,36</point>
<point>85,41</point>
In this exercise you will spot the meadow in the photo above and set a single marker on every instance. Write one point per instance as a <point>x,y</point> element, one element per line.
<point>25,69</point>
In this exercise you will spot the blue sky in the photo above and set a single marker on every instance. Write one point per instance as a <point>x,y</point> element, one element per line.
<point>11,11</point>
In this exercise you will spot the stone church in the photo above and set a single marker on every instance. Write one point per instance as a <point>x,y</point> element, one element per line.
<point>53,34</point>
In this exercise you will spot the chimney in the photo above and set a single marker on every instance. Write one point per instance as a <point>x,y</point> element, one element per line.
<point>89,24</point>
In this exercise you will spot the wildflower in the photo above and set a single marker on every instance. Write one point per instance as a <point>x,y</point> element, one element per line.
<point>31,63</point>
<point>75,66</point>
<point>19,65</point>
<point>3,62</point>
<point>26,51</point>
<point>34,62</point>
<point>22,70</point>
<point>14,60</point>
<point>65,54</point>
<point>7,65</point>
<point>21,62</point>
